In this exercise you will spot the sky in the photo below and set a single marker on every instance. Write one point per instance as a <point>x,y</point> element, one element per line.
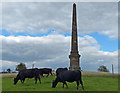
<point>40,34</point>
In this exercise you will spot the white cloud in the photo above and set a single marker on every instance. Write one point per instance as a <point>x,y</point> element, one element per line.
<point>61,1</point>
<point>53,51</point>
<point>92,17</point>
<point>7,64</point>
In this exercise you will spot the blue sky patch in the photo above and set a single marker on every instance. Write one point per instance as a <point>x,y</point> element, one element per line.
<point>6,33</point>
<point>106,43</point>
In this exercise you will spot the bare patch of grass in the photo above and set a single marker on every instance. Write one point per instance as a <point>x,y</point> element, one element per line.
<point>102,74</point>
<point>11,75</point>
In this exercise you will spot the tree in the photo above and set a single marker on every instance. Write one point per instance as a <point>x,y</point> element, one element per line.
<point>20,66</point>
<point>103,69</point>
<point>8,70</point>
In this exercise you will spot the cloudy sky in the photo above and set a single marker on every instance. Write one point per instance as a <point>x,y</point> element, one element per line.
<point>40,34</point>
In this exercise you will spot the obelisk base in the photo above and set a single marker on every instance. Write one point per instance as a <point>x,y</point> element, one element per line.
<point>74,62</point>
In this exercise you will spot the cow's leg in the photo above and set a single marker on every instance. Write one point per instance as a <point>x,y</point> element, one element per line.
<point>42,75</point>
<point>65,83</point>
<point>23,80</point>
<point>39,80</point>
<point>47,75</point>
<point>82,84</point>
<point>35,80</point>
<point>77,84</point>
<point>51,73</point>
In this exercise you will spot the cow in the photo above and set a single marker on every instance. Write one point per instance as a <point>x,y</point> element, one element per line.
<point>45,71</point>
<point>60,70</point>
<point>27,73</point>
<point>70,76</point>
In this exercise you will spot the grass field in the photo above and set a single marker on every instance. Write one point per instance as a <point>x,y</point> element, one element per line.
<point>91,81</point>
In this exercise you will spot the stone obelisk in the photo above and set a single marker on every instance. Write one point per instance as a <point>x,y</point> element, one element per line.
<point>74,56</point>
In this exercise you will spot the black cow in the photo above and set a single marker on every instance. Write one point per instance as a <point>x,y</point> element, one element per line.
<point>70,76</point>
<point>45,71</point>
<point>27,73</point>
<point>60,70</point>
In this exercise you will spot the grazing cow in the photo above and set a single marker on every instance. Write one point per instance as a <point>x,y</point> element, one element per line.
<point>45,71</point>
<point>60,70</point>
<point>27,73</point>
<point>70,76</point>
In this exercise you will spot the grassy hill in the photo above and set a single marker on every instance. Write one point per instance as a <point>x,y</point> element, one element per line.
<point>93,81</point>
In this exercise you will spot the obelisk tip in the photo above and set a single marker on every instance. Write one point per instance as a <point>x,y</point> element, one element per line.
<point>74,4</point>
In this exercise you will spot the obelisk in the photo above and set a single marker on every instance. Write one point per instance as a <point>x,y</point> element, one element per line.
<point>74,56</point>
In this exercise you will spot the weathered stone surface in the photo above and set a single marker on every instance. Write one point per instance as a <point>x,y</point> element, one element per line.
<point>74,56</point>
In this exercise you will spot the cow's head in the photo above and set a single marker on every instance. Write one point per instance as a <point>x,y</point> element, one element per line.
<point>15,81</point>
<point>54,84</point>
<point>65,68</point>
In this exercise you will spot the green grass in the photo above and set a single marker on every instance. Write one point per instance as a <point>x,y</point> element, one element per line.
<point>91,83</point>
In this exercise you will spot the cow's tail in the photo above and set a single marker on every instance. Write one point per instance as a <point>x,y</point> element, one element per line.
<point>81,80</point>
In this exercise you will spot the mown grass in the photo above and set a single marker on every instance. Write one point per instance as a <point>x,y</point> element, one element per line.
<point>91,83</point>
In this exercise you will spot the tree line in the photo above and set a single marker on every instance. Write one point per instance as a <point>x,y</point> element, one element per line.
<point>21,66</point>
